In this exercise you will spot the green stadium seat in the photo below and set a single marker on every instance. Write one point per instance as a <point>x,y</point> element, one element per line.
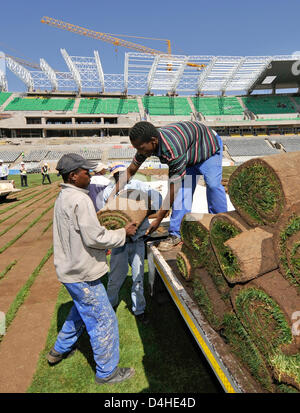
<point>108,106</point>
<point>260,105</point>
<point>40,104</point>
<point>217,106</point>
<point>4,96</point>
<point>164,105</point>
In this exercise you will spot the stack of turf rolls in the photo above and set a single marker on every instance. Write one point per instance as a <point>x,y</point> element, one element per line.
<point>257,249</point>
<point>197,264</point>
<point>126,207</point>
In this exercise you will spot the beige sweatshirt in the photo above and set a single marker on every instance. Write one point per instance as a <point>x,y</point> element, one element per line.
<point>79,240</point>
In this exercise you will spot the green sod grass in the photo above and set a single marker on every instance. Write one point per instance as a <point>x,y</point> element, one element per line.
<point>163,353</point>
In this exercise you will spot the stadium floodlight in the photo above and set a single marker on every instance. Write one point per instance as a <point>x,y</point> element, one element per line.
<point>73,69</point>
<point>21,72</point>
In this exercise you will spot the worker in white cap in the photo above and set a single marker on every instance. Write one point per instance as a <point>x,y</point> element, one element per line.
<point>3,171</point>
<point>97,185</point>
<point>45,173</point>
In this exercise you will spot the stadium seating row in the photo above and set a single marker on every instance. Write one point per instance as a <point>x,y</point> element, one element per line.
<point>161,105</point>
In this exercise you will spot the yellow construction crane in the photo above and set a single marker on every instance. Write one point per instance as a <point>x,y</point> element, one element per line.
<point>109,38</point>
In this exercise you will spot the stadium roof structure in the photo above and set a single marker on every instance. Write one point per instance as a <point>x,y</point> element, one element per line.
<point>163,73</point>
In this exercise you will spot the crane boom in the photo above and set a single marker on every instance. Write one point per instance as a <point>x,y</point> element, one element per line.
<point>22,62</point>
<point>106,37</point>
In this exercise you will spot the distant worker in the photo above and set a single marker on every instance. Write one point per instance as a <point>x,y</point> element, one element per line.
<point>79,243</point>
<point>3,171</point>
<point>23,174</point>
<point>132,253</point>
<point>97,185</point>
<point>190,149</point>
<point>45,173</point>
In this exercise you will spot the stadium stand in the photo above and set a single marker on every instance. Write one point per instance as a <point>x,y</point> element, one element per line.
<point>165,105</point>
<point>87,154</point>
<point>270,105</point>
<point>108,106</point>
<point>35,156</point>
<point>289,144</point>
<point>40,104</point>
<point>241,150</point>
<point>4,96</point>
<point>9,156</point>
<point>218,106</point>
<point>121,153</point>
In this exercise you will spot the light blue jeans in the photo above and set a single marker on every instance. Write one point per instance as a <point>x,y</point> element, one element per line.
<point>211,169</point>
<point>92,310</point>
<point>132,253</point>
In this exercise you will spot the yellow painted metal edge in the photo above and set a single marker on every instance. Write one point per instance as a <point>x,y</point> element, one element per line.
<point>218,370</point>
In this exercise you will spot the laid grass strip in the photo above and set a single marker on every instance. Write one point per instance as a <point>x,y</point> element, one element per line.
<point>15,223</point>
<point>7,269</point>
<point>21,202</point>
<point>24,291</point>
<point>11,242</point>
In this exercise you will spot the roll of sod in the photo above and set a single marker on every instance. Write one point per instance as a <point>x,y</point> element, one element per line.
<point>195,235</point>
<point>253,252</point>
<point>223,227</point>
<point>194,231</point>
<point>287,244</point>
<point>245,350</point>
<point>187,260</point>
<point>209,299</point>
<point>263,188</point>
<point>266,306</point>
<point>122,209</point>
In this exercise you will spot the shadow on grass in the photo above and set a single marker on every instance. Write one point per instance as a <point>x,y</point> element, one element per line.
<point>172,362</point>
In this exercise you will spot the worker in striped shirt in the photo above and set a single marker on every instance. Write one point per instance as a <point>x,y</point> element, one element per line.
<point>190,149</point>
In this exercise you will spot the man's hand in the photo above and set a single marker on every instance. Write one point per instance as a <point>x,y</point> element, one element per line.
<point>153,226</point>
<point>131,229</point>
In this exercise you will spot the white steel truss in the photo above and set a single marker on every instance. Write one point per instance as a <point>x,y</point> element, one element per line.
<point>149,73</point>
<point>73,69</point>
<point>50,73</point>
<point>21,72</point>
<point>3,82</point>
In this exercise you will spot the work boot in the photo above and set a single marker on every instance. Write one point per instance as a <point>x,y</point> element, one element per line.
<point>120,374</point>
<point>169,243</point>
<point>55,357</point>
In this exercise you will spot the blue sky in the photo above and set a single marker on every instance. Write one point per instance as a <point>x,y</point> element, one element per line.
<point>195,27</point>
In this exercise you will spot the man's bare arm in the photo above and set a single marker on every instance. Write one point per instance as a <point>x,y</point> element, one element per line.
<point>166,205</point>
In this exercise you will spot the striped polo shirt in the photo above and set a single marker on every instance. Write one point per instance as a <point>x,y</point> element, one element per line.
<point>183,144</point>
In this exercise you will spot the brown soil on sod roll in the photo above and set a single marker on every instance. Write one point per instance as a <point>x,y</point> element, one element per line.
<point>209,299</point>
<point>286,243</point>
<point>122,210</point>
<point>285,296</point>
<point>262,189</point>
<point>254,252</point>
<point>224,226</point>
<point>184,266</point>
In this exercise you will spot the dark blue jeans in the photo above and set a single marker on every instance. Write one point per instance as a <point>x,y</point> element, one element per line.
<point>211,169</point>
